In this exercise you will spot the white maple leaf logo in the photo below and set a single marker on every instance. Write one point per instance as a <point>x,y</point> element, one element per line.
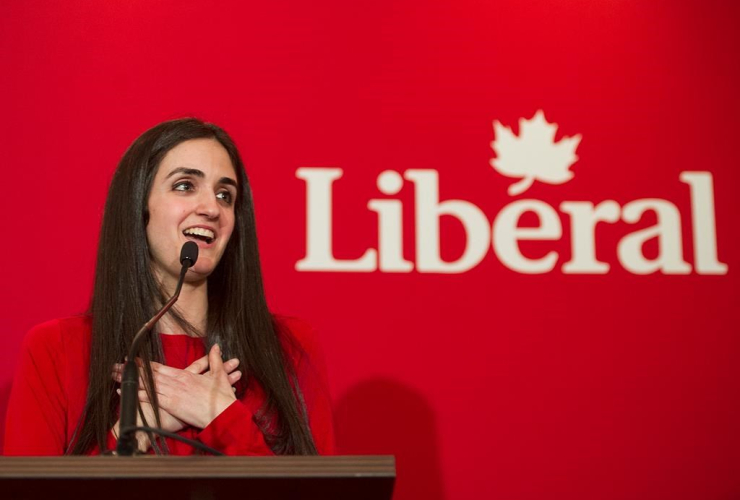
<point>533,155</point>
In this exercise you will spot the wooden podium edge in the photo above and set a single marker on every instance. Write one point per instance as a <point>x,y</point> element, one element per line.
<point>150,466</point>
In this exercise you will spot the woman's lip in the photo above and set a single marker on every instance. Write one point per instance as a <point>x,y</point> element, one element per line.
<point>201,243</point>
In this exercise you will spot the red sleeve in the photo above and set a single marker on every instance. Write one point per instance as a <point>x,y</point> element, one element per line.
<point>40,405</point>
<point>234,431</point>
<point>37,409</point>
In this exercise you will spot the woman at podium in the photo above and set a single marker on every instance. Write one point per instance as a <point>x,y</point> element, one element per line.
<point>218,368</point>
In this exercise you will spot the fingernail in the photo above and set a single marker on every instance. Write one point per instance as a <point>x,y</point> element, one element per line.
<point>218,348</point>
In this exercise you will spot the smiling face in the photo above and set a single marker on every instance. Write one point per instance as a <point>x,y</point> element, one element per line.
<point>191,198</point>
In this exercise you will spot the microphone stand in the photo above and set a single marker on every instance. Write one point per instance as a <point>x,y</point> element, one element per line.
<point>126,444</point>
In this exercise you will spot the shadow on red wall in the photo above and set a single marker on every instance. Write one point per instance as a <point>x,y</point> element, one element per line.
<point>383,417</point>
<point>4,396</point>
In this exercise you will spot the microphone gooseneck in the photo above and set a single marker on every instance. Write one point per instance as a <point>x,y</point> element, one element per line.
<point>126,444</point>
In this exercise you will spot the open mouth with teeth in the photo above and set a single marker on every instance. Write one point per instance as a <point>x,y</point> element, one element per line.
<point>200,233</point>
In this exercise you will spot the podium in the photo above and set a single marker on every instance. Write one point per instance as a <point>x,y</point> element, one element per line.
<point>198,477</point>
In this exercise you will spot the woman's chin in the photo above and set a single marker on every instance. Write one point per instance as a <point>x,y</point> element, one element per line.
<point>200,271</point>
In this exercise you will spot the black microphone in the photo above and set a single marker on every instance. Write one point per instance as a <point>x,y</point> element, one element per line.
<point>130,381</point>
<point>189,252</point>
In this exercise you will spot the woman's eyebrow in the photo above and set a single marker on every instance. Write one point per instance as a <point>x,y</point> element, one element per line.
<point>187,171</point>
<point>199,173</point>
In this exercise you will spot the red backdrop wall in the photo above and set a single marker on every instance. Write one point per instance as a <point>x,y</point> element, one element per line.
<point>493,381</point>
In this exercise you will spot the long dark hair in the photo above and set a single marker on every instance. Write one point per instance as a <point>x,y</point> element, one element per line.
<point>126,293</point>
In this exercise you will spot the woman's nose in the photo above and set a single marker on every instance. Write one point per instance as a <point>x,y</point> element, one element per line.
<point>208,206</point>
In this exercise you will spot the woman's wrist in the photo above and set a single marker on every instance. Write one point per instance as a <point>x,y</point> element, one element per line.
<point>142,439</point>
<point>218,409</point>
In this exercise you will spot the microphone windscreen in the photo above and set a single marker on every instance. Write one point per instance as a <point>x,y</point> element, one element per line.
<point>189,252</point>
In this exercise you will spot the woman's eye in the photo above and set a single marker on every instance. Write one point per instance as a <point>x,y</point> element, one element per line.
<point>183,186</point>
<point>225,196</point>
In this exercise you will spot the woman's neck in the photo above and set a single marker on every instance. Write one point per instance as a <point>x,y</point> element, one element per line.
<point>192,306</point>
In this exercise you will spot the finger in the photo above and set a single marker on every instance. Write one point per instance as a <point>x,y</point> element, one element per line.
<point>117,374</point>
<point>234,377</point>
<point>144,397</point>
<point>214,358</point>
<point>121,367</point>
<point>198,366</point>
<point>165,370</point>
<point>230,365</point>
<point>163,400</point>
